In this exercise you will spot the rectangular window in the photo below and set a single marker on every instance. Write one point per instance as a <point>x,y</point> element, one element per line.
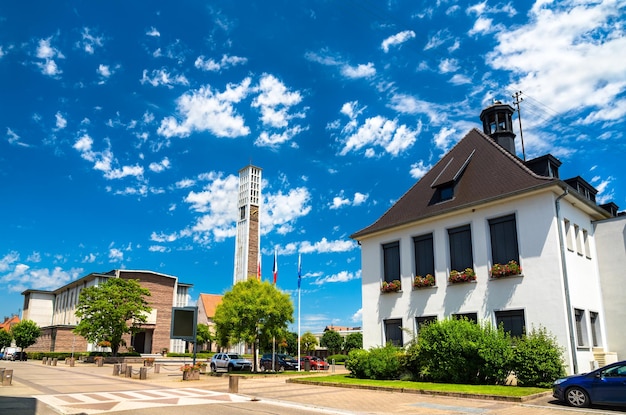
<point>581,328</point>
<point>579,248</point>
<point>512,321</point>
<point>470,316</point>
<point>422,321</point>
<point>586,243</point>
<point>393,332</point>
<point>504,247</point>
<point>460,240</point>
<point>568,235</point>
<point>391,261</point>
<point>595,329</point>
<point>424,255</point>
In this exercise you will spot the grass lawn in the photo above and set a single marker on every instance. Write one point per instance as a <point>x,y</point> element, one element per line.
<point>492,390</point>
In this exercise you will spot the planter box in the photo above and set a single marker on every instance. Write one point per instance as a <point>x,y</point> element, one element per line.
<point>191,375</point>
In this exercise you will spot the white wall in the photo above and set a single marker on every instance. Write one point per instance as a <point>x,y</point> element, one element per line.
<point>539,292</point>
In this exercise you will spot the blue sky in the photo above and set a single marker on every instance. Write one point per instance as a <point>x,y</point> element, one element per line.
<point>124,125</point>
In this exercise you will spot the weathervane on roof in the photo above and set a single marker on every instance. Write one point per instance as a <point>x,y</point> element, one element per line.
<point>518,99</point>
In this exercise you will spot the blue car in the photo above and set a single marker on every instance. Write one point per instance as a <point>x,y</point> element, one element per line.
<point>604,386</point>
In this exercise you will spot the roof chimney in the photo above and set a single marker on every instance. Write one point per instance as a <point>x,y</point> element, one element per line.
<point>498,124</point>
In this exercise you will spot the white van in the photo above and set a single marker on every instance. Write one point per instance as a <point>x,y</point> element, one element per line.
<point>9,352</point>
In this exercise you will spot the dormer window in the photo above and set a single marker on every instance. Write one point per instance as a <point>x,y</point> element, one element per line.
<point>445,192</point>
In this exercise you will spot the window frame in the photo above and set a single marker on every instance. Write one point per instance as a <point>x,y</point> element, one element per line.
<point>389,334</point>
<point>460,258</point>
<point>504,239</point>
<point>389,269</point>
<point>420,321</point>
<point>580,322</point>
<point>470,316</point>
<point>425,257</point>
<point>506,317</point>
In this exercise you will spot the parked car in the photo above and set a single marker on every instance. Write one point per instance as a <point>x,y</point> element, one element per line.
<point>315,362</point>
<point>21,356</point>
<point>281,362</point>
<point>230,362</point>
<point>604,386</point>
<point>8,353</point>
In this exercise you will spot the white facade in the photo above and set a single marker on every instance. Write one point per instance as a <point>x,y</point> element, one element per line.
<point>539,292</point>
<point>248,240</point>
<point>611,248</point>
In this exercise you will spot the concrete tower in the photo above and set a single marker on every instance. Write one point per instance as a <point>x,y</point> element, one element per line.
<point>248,240</point>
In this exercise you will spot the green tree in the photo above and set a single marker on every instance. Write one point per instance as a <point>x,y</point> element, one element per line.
<point>308,342</point>
<point>251,312</point>
<point>109,311</point>
<point>332,341</point>
<point>203,335</point>
<point>25,333</point>
<point>353,341</point>
<point>292,343</point>
<point>5,339</point>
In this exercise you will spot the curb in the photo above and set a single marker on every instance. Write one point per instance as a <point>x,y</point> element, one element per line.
<point>516,399</point>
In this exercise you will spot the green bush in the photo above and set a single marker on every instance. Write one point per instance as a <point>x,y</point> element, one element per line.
<point>339,358</point>
<point>460,351</point>
<point>377,363</point>
<point>537,359</point>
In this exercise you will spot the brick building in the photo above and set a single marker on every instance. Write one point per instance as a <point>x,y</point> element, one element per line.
<point>54,312</point>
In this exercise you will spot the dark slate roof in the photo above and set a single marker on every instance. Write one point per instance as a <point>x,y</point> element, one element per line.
<point>481,170</point>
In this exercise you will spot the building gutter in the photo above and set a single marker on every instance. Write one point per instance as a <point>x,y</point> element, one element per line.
<point>568,305</point>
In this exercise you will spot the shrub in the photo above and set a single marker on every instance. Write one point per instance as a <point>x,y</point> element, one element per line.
<point>459,351</point>
<point>537,359</point>
<point>339,358</point>
<point>377,363</point>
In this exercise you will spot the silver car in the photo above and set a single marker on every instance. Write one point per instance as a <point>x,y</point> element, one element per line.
<point>230,362</point>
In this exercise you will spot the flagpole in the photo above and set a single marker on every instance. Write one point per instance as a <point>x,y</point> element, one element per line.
<point>299,280</point>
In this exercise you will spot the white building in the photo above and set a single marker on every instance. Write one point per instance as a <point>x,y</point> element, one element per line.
<point>481,205</point>
<point>248,241</point>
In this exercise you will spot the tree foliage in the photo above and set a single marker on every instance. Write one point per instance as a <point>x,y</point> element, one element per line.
<point>109,311</point>
<point>251,312</point>
<point>204,335</point>
<point>332,341</point>
<point>5,339</point>
<point>25,333</point>
<point>308,342</point>
<point>353,341</point>
<point>537,359</point>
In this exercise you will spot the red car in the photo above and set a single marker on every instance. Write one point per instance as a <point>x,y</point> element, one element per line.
<point>315,362</point>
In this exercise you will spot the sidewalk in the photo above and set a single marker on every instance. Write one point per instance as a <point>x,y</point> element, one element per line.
<point>32,378</point>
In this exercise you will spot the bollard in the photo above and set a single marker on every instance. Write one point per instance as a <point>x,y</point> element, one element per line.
<point>233,384</point>
<point>157,368</point>
<point>49,362</point>
<point>129,371</point>
<point>116,369</point>
<point>123,368</point>
<point>43,360</point>
<point>143,373</point>
<point>54,361</point>
<point>7,377</point>
<point>72,361</point>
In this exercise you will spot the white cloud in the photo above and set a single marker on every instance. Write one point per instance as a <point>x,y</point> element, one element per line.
<point>419,169</point>
<point>104,71</point>
<point>207,110</point>
<point>445,138</point>
<point>281,210</point>
<point>602,186</point>
<point>340,201</point>
<point>89,42</point>
<point>359,71</point>
<point>326,246</point>
<point>153,32</point>
<point>47,53</point>
<point>448,65</point>
<point>381,132</point>
<point>578,33</point>
<point>116,255</point>
<point>215,66</point>
<point>274,101</point>
<point>104,160</point>
<point>162,77</point>
<point>160,166</point>
<point>343,276</point>
<point>61,122</point>
<point>397,39</point>
<point>482,25</point>
<point>14,138</point>
<point>358,316</point>
<point>19,277</point>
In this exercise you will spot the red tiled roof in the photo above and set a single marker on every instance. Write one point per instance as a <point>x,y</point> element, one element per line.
<point>8,322</point>
<point>482,171</point>
<point>210,303</point>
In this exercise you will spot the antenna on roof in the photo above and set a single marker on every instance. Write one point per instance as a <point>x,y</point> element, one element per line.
<point>518,100</point>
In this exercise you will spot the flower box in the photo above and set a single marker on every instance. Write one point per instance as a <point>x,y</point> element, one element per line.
<point>391,287</point>
<point>422,282</point>
<point>507,270</point>
<point>466,275</point>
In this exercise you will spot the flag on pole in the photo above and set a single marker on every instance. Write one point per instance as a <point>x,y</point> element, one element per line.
<point>275,268</point>
<point>299,270</point>
<point>258,267</point>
